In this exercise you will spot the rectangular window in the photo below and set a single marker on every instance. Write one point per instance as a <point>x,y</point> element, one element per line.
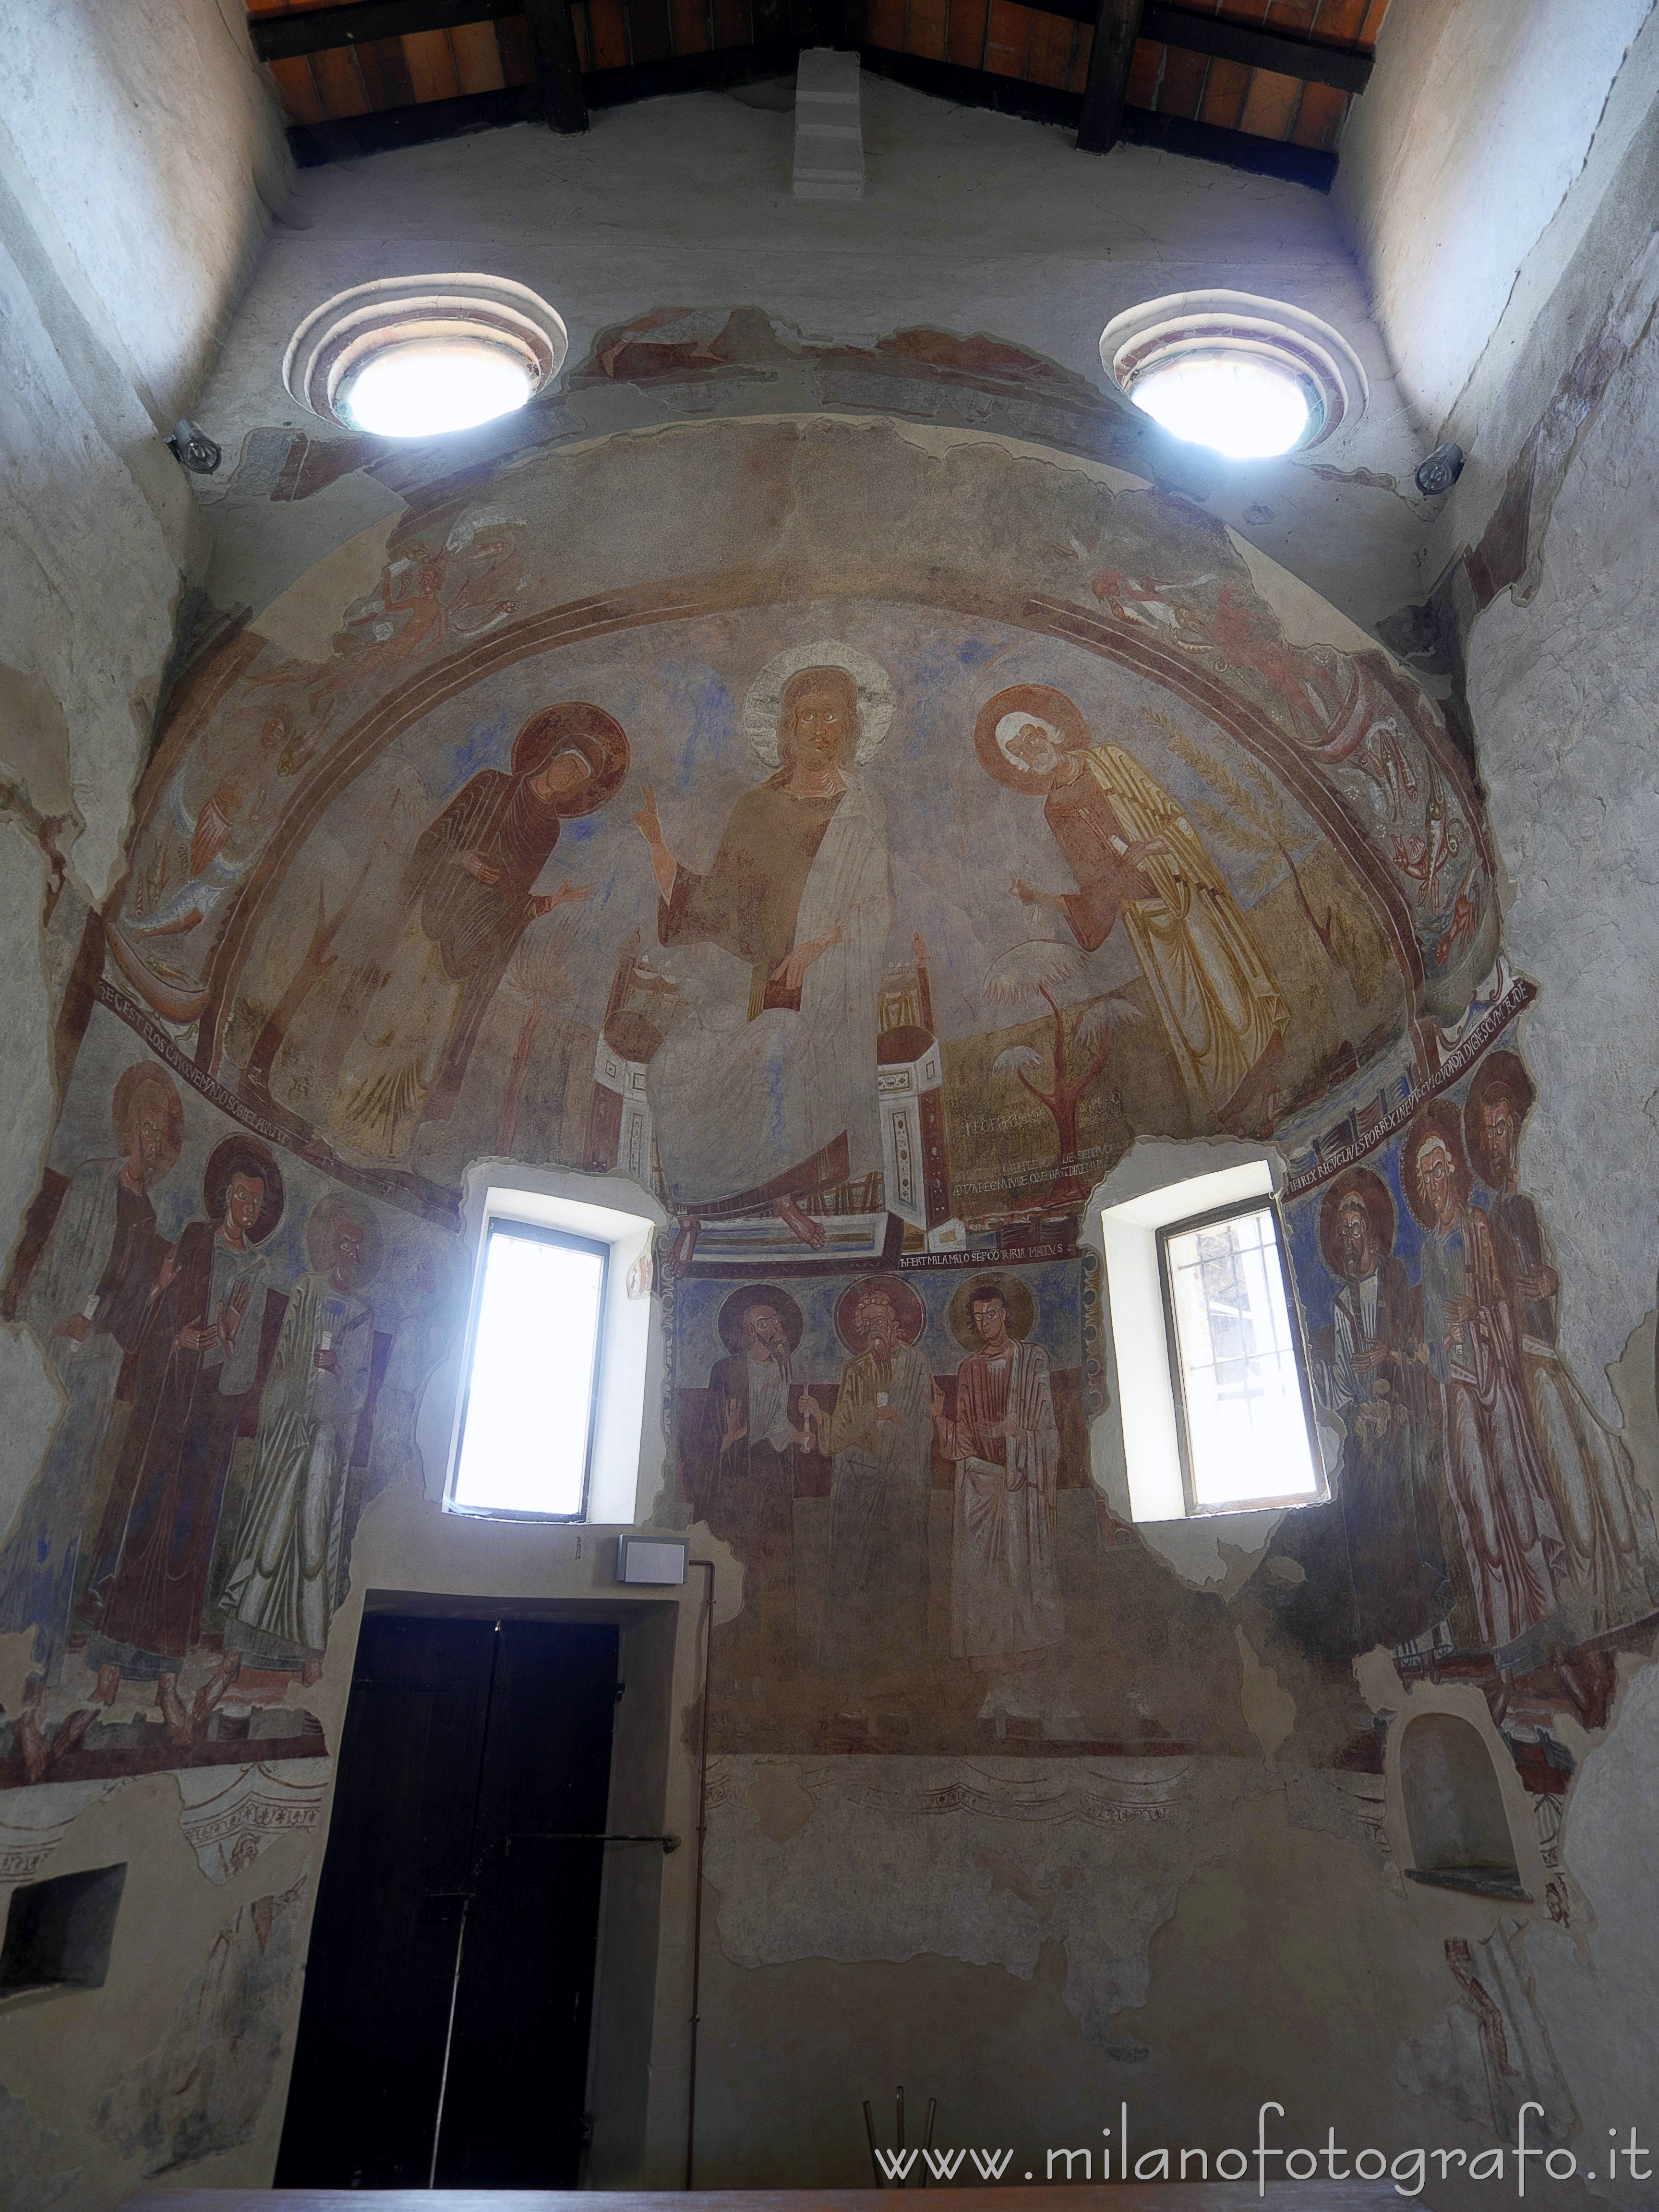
<point>528,1417</point>
<point>1243,1417</point>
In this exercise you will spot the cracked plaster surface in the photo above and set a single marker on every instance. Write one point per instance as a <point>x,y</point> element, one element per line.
<point>986,1861</point>
<point>1563,694</point>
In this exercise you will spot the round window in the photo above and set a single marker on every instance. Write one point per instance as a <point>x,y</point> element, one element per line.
<point>414,356</point>
<point>1249,377</point>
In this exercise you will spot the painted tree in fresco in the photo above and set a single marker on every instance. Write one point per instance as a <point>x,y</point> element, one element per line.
<point>1082,1044</point>
<point>1252,819</point>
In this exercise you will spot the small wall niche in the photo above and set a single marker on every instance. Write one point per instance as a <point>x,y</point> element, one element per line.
<point>58,1932</point>
<point>1460,1831</point>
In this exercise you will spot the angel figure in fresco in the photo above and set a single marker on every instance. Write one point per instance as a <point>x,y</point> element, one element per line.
<point>286,1582</point>
<point>1334,707</point>
<point>196,1367</point>
<point>465,900</point>
<point>89,1300</point>
<point>879,1440</point>
<point>1155,606</point>
<point>1137,859</point>
<point>1604,1513</point>
<point>209,841</point>
<point>773,1097</point>
<point>1402,1591</point>
<point>1004,1442</point>
<point>1506,1513</point>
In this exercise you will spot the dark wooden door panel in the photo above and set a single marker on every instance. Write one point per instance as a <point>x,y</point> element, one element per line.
<point>380,1975</point>
<point>514,2105</point>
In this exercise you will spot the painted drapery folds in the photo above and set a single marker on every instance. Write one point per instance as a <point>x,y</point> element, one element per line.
<point>862,858</point>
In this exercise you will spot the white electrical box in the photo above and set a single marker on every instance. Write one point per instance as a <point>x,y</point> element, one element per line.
<point>645,1557</point>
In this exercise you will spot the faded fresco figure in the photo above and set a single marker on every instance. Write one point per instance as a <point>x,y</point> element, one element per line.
<point>1506,1514</point>
<point>288,1577</point>
<point>1004,1443</point>
<point>1606,1516</point>
<point>418,607</point>
<point>466,899</point>
<point>880,1441</point>
<point>208,842</point>
<point>775,1098</point>
<point>89,1301</point>
<point>750,1440</point>
<point>199,1361</point>
<point>1401,1593</point>
<point>1138,860</point>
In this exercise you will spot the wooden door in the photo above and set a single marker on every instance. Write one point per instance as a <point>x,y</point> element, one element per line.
<point>513,2108</point>
<point>449,1984</point>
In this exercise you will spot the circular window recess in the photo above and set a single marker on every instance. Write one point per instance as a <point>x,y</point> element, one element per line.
<point>414,356</point>
<point>1249,377</point>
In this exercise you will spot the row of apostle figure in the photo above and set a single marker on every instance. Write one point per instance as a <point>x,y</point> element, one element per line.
<point>179,1331</point>
<point>1473,1466</point>
<point>889,1421</point>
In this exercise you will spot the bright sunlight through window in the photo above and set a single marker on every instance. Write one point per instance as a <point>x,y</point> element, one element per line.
<point>527,1425</point>
<point>1241,1401</point>
<point>1243,408</point>
<point>417,390</point>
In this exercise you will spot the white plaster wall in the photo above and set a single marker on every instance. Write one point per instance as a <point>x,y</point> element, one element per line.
<point>134,143</point>
<point>1598,2000</point>
<point>89,572</point>
<point>1562,692</point>
<point>158,145</point>
<point>1476,122</point>
<point>969,222</point>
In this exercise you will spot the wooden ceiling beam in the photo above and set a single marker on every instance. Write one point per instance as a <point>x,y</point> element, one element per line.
<point>314,30</point>
<point>1117,25</point>
<point>1042,103</point>
<point>558,66</point>
<point>564,96</point>
<point>1235,149</point>
<point>1346,68</point>
<point>1281,51</point>
<point>558,69</point>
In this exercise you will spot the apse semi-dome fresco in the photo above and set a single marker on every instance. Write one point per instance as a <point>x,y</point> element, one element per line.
<point>858,839</point>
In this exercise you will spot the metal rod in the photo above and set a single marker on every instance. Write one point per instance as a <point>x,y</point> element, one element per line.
<point>870,2130</point>
<point>466,1900</point>
<point>702,1838</point>
<point>927,2141</point>
<point>585,1836</point>
<point>449,2040</point>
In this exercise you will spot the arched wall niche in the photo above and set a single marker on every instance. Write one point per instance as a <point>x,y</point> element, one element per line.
<point>1454,1812</point>
<point>1104,845</point>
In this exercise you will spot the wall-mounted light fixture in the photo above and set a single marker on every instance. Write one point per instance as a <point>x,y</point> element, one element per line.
<point>414,356</point>
<point>191,447</point>
<point>1438,471</point>
<point>1249,377</point>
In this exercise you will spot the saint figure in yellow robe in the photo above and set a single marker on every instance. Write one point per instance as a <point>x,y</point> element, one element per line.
<point>1138,859</point>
